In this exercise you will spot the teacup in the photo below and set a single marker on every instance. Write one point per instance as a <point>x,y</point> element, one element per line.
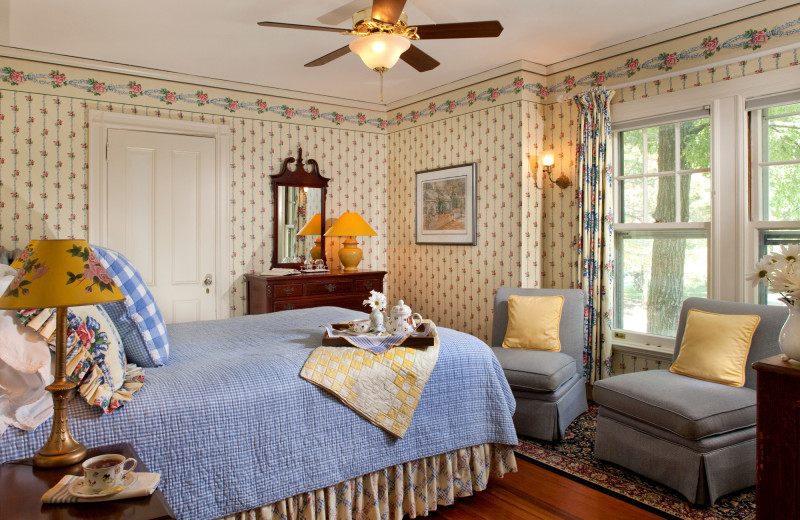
<point>360,326</point>
<point>104,472</point>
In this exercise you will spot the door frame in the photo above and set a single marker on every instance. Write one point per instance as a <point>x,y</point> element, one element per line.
<point>101,122</point>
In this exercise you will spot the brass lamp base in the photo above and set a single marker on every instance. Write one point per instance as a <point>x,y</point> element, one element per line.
<point>350,255</point>
<point>60,449</point>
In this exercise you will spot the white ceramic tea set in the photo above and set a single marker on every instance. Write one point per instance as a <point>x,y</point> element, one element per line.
<point>399,320</point>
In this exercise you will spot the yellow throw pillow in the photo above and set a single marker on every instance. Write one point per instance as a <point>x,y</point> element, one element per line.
<point>715,347</point>
<point>533,322</point>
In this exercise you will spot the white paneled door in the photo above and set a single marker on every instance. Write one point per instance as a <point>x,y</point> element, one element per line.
<point>161,216</point>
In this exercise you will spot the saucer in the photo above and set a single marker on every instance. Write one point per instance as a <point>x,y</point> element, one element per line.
<point>78,487</point>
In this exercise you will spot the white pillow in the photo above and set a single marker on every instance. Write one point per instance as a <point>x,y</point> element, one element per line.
<point>24,372</point>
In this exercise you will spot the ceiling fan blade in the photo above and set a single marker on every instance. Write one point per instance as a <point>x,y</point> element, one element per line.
<point>418,59</point>
<point>487,29</point>
<point>387,11</point>
<point>341,13</point>
<point>338,53</point>
<point>304,27</point>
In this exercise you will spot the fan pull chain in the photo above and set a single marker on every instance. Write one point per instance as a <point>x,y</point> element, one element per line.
<point>381,74</point>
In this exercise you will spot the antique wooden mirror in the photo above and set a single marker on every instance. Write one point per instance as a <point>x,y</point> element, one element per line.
<point>298,209</point>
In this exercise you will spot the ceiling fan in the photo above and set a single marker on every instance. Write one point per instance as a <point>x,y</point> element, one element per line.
<point>384,36</point>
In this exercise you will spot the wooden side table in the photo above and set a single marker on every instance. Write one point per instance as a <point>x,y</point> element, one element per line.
<point>777,439</point>
<point>22,487</point>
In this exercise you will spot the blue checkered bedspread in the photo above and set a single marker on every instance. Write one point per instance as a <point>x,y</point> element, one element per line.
<point>231,426</point>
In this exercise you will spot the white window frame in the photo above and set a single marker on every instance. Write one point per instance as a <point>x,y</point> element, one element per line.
<point>636,337</point>
<point>756,222</point>
<point>733,242</point>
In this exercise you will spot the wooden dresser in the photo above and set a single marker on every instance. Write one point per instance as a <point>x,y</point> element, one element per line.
<point>777,439</point>
<point>283,293</point>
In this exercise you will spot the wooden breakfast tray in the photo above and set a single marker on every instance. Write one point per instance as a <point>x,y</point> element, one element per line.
<point>409,341</point>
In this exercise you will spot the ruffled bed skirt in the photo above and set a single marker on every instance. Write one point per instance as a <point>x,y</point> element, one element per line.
<point>413,488</point>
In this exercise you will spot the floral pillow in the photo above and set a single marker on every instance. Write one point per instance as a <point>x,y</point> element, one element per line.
<point>96,359</point>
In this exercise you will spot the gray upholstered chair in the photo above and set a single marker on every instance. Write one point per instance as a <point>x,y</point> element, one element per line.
<point>549,387</point>
<point>694,436</point>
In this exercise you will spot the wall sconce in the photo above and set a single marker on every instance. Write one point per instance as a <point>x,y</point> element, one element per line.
<point>562,182</point>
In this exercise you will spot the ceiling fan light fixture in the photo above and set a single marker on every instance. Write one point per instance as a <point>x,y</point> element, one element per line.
<point>380,51</point>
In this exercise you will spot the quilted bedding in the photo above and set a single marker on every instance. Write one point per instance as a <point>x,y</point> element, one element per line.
<point>230,425</point>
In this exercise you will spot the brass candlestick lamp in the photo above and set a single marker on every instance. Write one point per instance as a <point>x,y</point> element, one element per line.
<point>59,273</point>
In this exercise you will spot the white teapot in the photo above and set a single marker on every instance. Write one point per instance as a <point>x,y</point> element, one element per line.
<point>401,320</point>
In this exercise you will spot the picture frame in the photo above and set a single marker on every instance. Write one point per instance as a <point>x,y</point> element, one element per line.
<point>445,205</point>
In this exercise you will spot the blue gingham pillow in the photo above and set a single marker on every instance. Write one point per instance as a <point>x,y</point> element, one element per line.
<point>137,319</point>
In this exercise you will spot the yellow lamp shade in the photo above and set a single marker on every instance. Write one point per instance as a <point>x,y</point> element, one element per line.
<point>312,227</point>
<point>59,273</point>
<point>350,225</point>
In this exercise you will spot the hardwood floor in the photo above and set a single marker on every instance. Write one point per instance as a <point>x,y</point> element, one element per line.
<point>535,493</point>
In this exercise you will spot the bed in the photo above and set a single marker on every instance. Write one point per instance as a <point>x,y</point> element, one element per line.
<point>231,427</point>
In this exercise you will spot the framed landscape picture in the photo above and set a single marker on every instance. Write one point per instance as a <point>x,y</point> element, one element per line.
<point>445,206</point>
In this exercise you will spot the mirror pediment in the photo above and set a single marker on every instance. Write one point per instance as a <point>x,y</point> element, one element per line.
<point>298,198</point>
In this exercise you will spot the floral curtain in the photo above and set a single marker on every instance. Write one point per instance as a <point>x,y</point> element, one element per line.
<point>595,197</point>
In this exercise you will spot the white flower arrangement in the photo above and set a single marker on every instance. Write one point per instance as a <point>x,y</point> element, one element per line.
<point>376,300</point>
<point>780,273</point>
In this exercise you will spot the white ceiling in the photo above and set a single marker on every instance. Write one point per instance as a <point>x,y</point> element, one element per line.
<point>220,39</point>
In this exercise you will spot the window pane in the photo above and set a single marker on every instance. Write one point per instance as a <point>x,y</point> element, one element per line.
<point>782,186</point>
<point>784,109</point>
<point>769,242</point>
<point>632,152</point>
<point>661,148</point>
<point>696,197</point>
<point>783,139</point>
<point>631,197</point>
<point>656,272</point>
<point>661,199</point>
<point>695,144</point>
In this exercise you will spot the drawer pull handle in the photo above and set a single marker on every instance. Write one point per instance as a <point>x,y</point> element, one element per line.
<point>330,287</point>
<point>289,290</point>
<point>368,284</point>
<point>288,307</point>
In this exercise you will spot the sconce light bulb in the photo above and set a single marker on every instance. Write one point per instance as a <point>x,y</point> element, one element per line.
<point>548,160</point>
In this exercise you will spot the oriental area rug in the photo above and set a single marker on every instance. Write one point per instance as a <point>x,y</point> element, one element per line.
<point>573,458</point>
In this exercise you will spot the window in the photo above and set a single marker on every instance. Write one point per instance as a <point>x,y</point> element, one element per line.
<point>663,187</point>
<point>774,181</point>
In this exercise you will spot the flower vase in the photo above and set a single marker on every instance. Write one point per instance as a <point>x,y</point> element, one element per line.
<point>376,321</point>
<point>789,339</point>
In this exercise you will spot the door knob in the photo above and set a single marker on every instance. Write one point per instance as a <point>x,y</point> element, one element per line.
<point>208,280</point>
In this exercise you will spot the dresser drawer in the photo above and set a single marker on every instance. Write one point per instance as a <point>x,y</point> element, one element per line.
<point>290,305</point>
<point>369,284</point>
<point>328,287</point>
<point>288,291</point>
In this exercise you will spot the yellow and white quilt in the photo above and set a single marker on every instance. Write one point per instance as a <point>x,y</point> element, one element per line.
<point>383,388</point>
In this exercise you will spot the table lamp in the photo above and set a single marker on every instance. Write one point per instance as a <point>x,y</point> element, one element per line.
<point>350,225</point>
<point>59,273</point>
<point>313,227</point>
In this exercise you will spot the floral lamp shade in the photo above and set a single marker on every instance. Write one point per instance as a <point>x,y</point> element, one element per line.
<point>59,273</point>
<point>20,259</point>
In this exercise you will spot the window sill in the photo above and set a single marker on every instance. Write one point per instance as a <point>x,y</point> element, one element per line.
<point>655,352</point>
